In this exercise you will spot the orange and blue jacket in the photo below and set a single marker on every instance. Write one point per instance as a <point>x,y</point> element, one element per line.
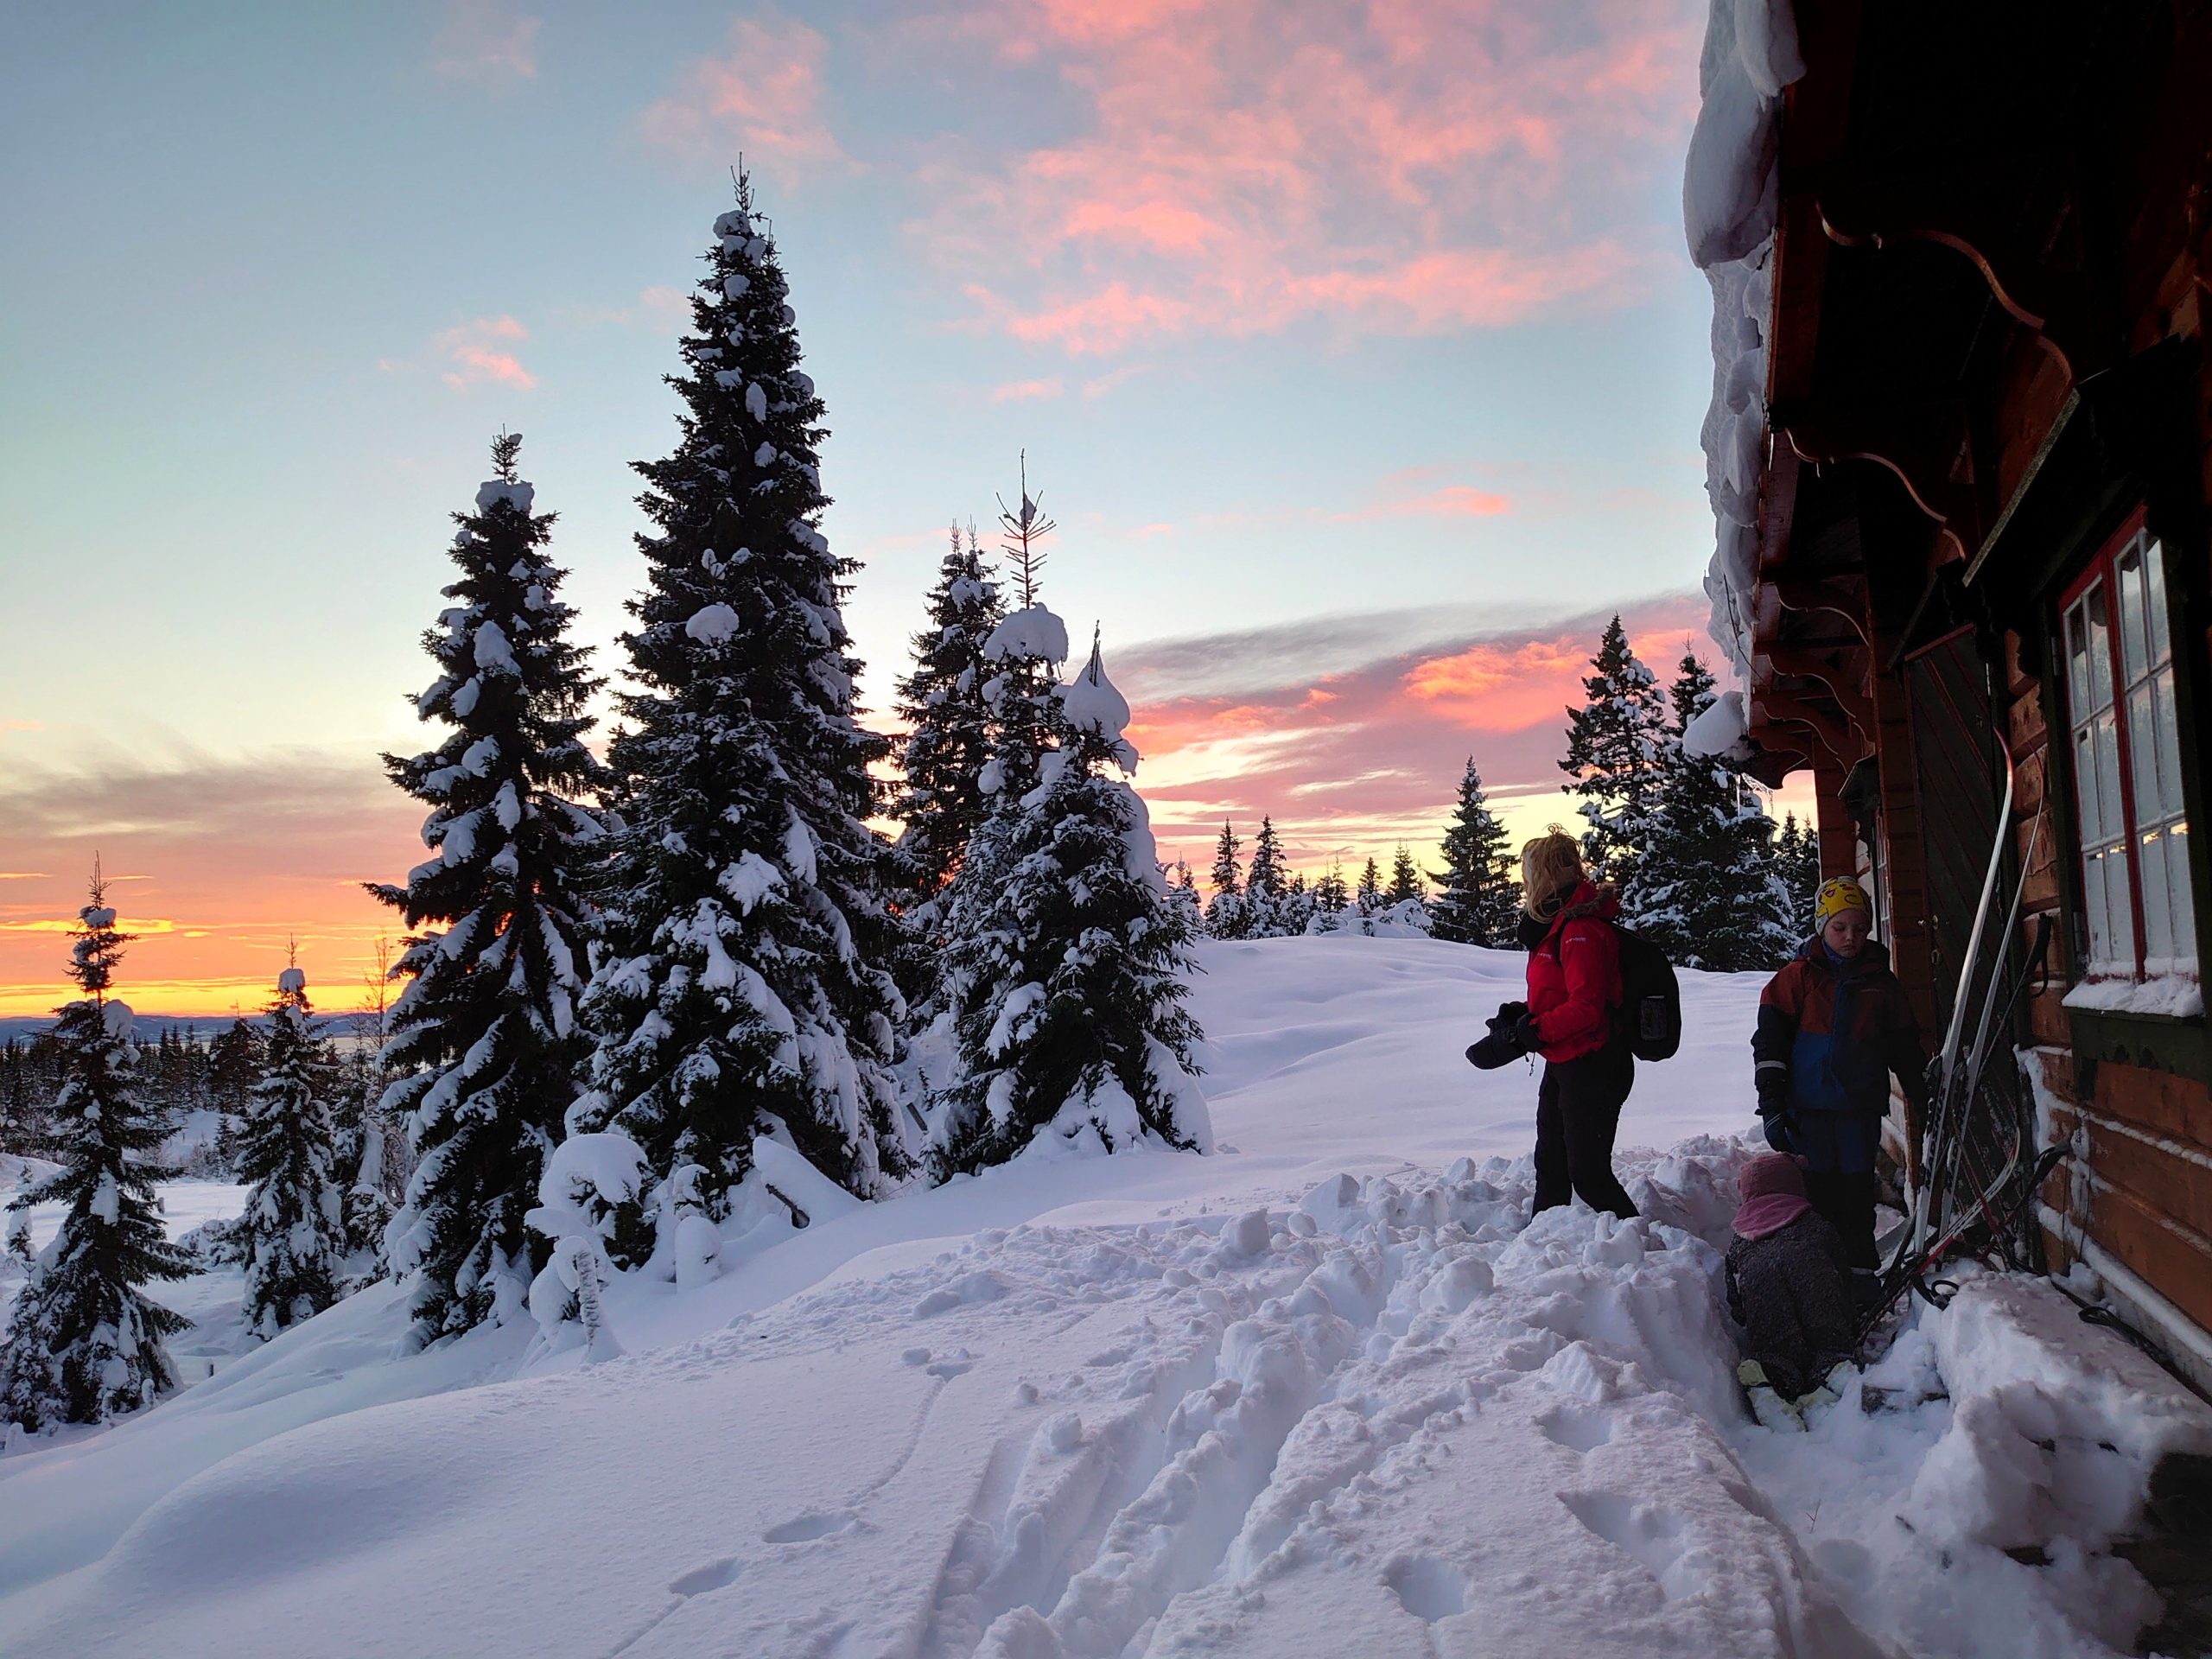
<point>1836,1029</point>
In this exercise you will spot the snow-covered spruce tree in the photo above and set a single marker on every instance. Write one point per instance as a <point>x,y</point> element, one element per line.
<point>1069,968</point>
<point>1708,891</point>
<point>1405,878</point>
<point>1227,918</point>
<point>1182,888</point>
<point>293,1230</point>
<point>1613,754</point>
<point>1367,897</point>
<point>940,800</point>
<point>1480,896</point>
<point>1266,881</point>
<point>485,1047</point>
<point>84,1342</point>
<point>743,984</point>
<point>1797,861</point>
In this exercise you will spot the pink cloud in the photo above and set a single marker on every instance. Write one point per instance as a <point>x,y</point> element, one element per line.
<point>1453,501</point>
<point>1017,392</point>
<point>486,40</point>
<point>474,354</point>
<point>762,97</point>
<point>1406,166</point>
<point>1355,759</point>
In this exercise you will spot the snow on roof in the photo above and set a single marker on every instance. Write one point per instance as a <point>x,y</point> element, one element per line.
<point>1718,734</point>
<point>1035,632</point>
<point>1728,215</point>
<point>492,491</point>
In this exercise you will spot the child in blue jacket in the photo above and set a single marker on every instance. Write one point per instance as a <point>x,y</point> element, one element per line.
<point>1833,1025</point>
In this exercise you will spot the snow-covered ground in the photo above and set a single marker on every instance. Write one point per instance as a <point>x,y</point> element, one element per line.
<point>1328,1392</point>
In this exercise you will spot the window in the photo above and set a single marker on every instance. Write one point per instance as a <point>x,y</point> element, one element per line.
<point>2126,758</point>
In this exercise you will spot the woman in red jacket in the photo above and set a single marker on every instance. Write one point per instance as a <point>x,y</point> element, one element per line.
<point>1571,1019</point>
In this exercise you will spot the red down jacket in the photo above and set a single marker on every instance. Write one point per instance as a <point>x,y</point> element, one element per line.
<point>1574,976</point>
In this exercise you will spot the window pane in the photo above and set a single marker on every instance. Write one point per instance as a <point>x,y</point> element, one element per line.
<point>2169,746</point>
<point>2178,889</point>
<point>2099,647</point>
<point>2132,646</point>
<point>2154,565</point>
<point>2119,909</point>
<point>2077,662</point>
<point>2157,919</point>
<point>2093,892</point>
<point>2086,795</point>
<point>2143,753</point>
<point>2106,735</point>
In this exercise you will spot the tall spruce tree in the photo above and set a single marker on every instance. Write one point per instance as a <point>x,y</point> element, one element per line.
<point>1480,896</point>
<point>1069,965</point>
<point>1708,891</point>
<point>1614,754</point>
<point>84,1342</point>
<point>486,1046</point>
<point>294,1226</point>
<point>940,800</point>
<point>744,982</point>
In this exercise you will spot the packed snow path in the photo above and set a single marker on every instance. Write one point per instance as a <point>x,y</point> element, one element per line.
<point>1392,1417</point>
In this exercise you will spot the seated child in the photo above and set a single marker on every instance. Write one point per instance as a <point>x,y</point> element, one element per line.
<point>1789,1286</point>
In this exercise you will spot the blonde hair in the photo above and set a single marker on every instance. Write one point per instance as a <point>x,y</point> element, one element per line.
<point>1551,868</point>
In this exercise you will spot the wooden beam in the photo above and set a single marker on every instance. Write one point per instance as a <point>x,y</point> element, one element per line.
<point>1917,444</point>
<point>1952,214</point>
<point>1848,674</point>
<point>1842,595</point>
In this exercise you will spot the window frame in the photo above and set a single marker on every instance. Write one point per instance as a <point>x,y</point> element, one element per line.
<point>2103,567</point>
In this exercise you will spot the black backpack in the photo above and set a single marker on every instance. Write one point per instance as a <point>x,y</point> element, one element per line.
<point>1650,1017</point>
<point>1651,1000</point>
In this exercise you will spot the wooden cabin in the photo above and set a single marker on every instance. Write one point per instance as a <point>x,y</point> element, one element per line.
<point>1981,536</point>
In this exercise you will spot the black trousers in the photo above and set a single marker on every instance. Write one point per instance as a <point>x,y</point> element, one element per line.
<point>1578,1110</point>
<point>1847,1203</point>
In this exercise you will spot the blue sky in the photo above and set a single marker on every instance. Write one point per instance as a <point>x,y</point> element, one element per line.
<point>1348,339</point>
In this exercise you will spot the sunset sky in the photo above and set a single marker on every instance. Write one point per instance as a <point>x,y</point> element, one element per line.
<point>1353,346</point>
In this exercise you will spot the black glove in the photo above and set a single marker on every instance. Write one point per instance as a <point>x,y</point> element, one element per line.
<point>1778,1132</point>
<point>1525,1034</point>
<point>1503,1044</point>
<point>1773,1083</point>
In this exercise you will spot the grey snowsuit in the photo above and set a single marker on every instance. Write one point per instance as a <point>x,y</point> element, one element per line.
<point>1791,1292</point>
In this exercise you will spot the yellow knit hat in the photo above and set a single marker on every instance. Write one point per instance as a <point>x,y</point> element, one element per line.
<point>1837,896</point>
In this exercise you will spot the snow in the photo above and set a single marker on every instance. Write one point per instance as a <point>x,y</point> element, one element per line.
<point>1034,632</point>
<point>2174,996</point>
<point>292,980</point>
<point>1728,215</point>
<point>493,491</point>
<point>1718,733</point>
<point>713,624</point>
<point>1327,1391</point>
<point>117,1019</point>
<point>1091,702</point>
<point>492,652</point>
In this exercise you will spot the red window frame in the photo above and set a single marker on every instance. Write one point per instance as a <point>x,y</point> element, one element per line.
<point>2104,568</point>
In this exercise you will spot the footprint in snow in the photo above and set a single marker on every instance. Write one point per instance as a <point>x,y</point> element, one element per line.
<point>1576,1428</point>
<point>700,1580</point>
<point>1427,1588</point>
<point>806,1528</point>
